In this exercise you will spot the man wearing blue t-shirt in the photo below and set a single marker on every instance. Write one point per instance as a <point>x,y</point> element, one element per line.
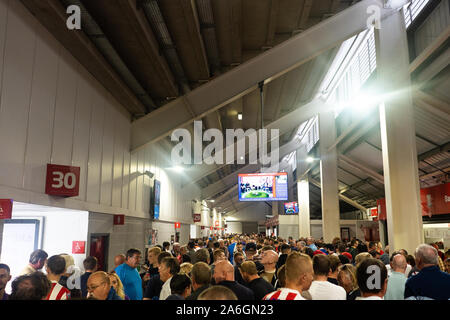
<point>128,274</point>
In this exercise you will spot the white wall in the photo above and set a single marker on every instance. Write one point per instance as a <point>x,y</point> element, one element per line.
<point>60,227</point>
<point>53,111</point>
<point>234,227</point>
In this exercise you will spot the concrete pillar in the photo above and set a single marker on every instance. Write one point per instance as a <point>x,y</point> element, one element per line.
<point>304,224</point>
<point>328,176</point>
<point>401,178</point>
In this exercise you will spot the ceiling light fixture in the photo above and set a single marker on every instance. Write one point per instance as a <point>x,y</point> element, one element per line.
<point>240,116</point>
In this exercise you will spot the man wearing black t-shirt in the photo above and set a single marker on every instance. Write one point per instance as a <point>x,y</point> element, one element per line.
<point>259,286</point>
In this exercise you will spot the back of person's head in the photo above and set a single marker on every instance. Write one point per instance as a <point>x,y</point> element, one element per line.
<point>373,253</point>
<point>217,293</point>
<point>250,247</point>
<point>426,255</point>
<point>201,273</point>
<point>90,263</point>
<point>281,275</point>
<point>162,256</point>
<point>353,242</point>
<point>218,253</point>
<point>334,262</point>
<point>166,245</point>
<point>248,267</point>
<point>34,286</point>
<point>343,259</point>
<point>56,265</point>
<point>410,260</point>
<point>342,247</point>
<point>216,245</point>
<point>371,275</point>
<point>399,263</point>
<point>179,283</point>
<point>191,245</point>
<point>154,250</point>
<point>186,258</point>
<point>131,252</point>
<point>372,245</point>
<point>203,255</point>
<point>285,248</point>
<point>186,268</point>
<point>321,265</point>
<point>362,247</point>
<point>38,255</point>
<point>360,257</point>
<point>296,265</point>
<point>173,264</point>
<point>347,271</point>
<point>309,252</point>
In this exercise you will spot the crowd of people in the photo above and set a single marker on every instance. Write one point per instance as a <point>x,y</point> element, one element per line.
<point>242,267</point>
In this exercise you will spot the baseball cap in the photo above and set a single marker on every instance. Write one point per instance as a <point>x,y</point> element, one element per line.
<point>348,255</point>
<point>250,246</point>
<point>318,252</point>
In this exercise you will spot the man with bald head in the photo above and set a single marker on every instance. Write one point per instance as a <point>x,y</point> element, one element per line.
<point>224,276</point>
<point>99,287</point>
<point>299,276</point>
<point>118,260</point>
<point>397,279</point>
<point>430,282</point>
<point>269,259</point>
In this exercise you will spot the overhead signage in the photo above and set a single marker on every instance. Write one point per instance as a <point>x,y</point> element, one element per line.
<point>63,181</point>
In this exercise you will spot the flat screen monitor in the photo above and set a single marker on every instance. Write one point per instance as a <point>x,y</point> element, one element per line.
<point>157,190</point>
<point>263,186</point>
<point>290,208</point>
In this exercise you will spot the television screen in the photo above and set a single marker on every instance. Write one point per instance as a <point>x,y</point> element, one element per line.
<point>157,190</point>
<point>263,186</point>
<point>291,208</point>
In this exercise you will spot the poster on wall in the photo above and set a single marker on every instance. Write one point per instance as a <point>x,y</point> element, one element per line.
<point>154,240</point>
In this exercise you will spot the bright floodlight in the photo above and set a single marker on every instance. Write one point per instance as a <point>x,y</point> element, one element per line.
<point>178,169</point>
<point>309,159</point>
<point>240,116</point>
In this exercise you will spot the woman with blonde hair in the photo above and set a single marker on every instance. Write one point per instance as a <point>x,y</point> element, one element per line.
<point>186,268</point>
<point>347,279</point>
<point>117,285</point>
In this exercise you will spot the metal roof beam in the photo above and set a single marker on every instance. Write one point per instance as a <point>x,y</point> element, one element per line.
<point>245,78</point>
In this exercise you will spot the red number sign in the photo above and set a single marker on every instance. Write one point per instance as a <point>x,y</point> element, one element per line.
<point>177,225</point>
<point>78,247</point>
<point>197,217</point>
<point>62,180</point>
<point>119,219</point>
<point>6,208</point>
<point>217,223</point>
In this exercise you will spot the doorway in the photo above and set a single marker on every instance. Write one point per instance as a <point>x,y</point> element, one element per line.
<point>99,245</point>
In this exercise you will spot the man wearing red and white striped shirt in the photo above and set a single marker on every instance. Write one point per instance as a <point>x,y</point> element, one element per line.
<point>299,276</point>
<point>55,267</point>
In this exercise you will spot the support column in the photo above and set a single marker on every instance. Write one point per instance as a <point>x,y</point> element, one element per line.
<point>328,177</point>
<point>401,174</point>
<point>304,224</point>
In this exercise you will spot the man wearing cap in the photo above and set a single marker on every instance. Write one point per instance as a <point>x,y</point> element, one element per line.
<point>250,252</point>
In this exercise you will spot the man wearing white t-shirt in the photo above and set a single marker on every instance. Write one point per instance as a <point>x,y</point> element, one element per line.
<point>321,288</point>
<point>299,275</point>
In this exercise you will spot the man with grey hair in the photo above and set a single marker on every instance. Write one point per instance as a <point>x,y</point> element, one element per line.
<point>430,282</point>
<point>397,279</point>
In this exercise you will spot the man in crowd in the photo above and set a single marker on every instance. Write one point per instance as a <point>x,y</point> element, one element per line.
<point>430,282</point>
<point>299,275</point>
<point>259,286</point>
<point>55,267</point>
<point>250,253</point>
<point>191,252</point>
<point>128,274</point>
<point>353,248</point>
<point>201,279</point>
<point>176,250</point>
<point>180,286</point>
<point>285,250</point>
<point>99,287</point>
<point>372,278</point>
<point>90,266</point>
<point>321,288</point>
<point>166,247</point>
<point>37,261</point>
<point>335,262</point>
<point>5,276</point>
<point>154,285</point>
<point>397,279</point>
<point>118,260</point>
<point>269,259</point>
<point>224,276</point>
<point>238,260</point>
<point>167,269</point>
<point>34,286</point>
<point>310,243</point>
<point>385,256</point>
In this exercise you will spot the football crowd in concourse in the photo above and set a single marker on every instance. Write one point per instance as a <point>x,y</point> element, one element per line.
<point>241,267</point>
